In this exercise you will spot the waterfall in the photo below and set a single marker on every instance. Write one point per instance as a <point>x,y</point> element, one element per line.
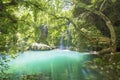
<point>68,38</point>
<point>68,35</point>
<point>61,41</point>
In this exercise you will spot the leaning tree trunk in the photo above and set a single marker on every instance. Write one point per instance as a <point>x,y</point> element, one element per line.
<point>108,22</point>
<point>111,29</point>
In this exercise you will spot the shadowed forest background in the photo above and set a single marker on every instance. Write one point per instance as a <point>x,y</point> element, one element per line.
<point>87,25</point>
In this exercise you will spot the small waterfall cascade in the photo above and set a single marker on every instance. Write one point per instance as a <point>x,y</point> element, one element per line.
<point>61,41</point>
<point>62,46</point>
<point>68,35</point>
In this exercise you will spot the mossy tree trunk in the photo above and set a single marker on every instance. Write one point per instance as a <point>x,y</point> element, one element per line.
<point>111,29</point>
<point>108,22</point>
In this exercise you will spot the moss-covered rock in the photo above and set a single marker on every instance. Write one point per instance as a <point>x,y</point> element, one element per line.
<point>40,46</point>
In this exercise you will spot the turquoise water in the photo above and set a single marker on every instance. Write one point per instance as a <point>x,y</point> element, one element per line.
<point>53,65</point>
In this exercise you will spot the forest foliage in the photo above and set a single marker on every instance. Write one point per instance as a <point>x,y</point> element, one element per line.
<point>23,22</point>
<point>94,25</point>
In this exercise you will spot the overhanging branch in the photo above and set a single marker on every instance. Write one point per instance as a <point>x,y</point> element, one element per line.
<point>102,5</point>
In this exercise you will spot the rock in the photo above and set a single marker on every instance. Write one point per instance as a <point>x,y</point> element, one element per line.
<point>40,46</point>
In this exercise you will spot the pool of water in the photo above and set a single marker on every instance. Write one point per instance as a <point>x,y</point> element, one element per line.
<point>51,65</point>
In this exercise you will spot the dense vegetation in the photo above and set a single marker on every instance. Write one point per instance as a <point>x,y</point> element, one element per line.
<point>94,25</point>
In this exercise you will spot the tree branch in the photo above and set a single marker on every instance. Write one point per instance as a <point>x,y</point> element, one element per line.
<point>102,5</point>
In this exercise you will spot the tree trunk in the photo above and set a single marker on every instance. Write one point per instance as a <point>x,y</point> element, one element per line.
<point>111,28</point>
<point>108,23</point>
